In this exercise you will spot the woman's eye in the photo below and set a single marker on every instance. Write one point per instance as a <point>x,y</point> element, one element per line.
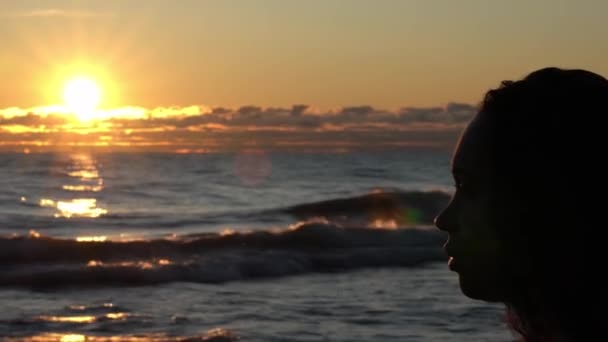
<point>458,184</point>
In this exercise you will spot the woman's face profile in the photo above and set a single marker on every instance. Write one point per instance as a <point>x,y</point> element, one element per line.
<point>476,217</point>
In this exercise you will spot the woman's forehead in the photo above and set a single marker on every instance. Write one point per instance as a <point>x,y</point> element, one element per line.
<point>472,150</point>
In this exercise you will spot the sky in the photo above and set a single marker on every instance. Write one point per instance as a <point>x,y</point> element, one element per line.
<point>188,57</point>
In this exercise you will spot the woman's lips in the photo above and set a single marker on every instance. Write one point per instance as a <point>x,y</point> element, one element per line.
<point>452,263</point>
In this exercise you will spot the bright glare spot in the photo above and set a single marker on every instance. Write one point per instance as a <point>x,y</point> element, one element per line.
<point>80,207</point>
<point>142,264</point>
<point>84,174</point>
<point>68,319</point>
<point>117,315</point>
<point>145,265</point>
<point>73,338</point>
<point>82,188</point>
<point>45,202</point>
<point>227,232</point>
<point>81,96</point>
<point>91,238</point>
<point>95,263</point>
<point>384,224</point>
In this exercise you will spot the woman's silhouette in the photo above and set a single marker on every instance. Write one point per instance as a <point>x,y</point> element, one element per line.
<point>526,222</point>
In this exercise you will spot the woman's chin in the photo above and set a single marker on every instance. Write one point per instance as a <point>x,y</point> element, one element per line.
<point>481,289</point>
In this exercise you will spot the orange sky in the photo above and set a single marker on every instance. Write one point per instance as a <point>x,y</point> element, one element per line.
<point>386,53</point>
<point>170,74</point>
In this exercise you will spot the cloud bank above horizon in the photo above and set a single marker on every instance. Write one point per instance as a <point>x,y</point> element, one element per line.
<point>201,129</point>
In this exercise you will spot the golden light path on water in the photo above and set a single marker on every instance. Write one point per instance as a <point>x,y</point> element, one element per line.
<point>100,238</point>
<point>132,264</point>
<point>82,170</point>
<point>217,334</point>
<point>83,319</point>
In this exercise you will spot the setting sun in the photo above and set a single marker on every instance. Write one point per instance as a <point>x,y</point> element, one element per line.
<point>81,96</point>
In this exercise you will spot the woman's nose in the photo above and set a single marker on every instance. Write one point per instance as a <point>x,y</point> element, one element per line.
<point>443,220</point>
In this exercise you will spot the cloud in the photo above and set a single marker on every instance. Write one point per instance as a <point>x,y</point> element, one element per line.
<point>297,110</point>
<point>220,110</point>
<point>249,110</point>
<point>33,120</point>
<point>460,107</point>
<point>357,111</point>
<point>200,127</point>
<point>58,13</point>
<point>452,113</point>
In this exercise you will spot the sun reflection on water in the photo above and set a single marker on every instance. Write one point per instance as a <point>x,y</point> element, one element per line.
<point>73,338</point>
<point>79,207</point>
<point>83,188</point>
<point>68,319</point>
<point>101,238</point>
<point>384,224</point>
<point>84,174</point>
<point>45,202</point>
<point>84,319</point>
<point>85,177</point>
<point>217,334</point>
<point>142,264</point>
<point>117,316</point>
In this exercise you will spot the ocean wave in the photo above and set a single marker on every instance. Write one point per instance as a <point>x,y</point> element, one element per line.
<point>402,207</point>
<point>42,262</point>
<point>381,208</point>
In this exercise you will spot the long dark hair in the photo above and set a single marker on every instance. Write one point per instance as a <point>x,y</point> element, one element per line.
<point>548,140</point>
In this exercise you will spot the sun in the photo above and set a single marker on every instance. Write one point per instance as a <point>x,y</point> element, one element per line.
<point>81,96</point>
